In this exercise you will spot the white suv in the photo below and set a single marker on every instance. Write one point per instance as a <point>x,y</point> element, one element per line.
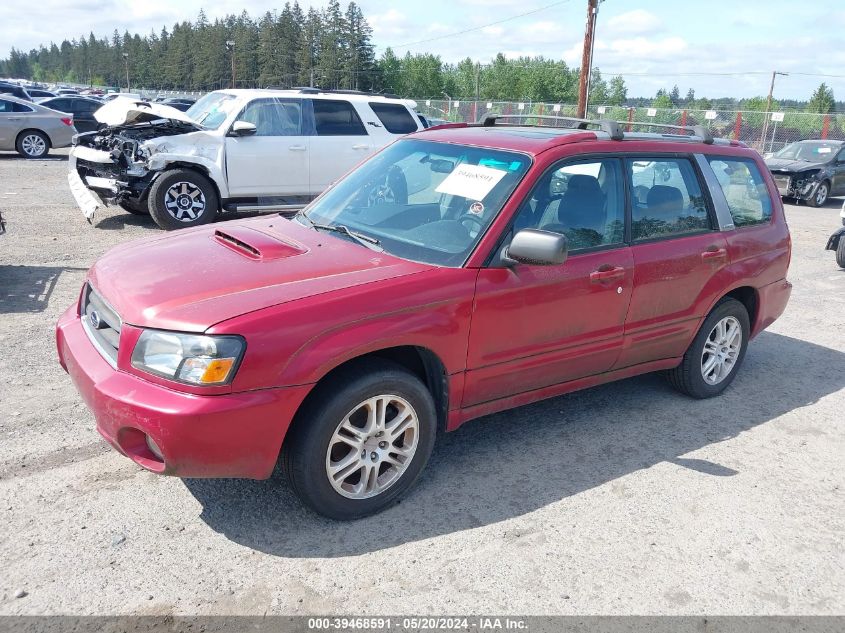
<point>233,149</point>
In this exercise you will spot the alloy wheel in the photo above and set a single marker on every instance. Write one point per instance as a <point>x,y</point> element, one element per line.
<point>33,145</point>
<point>372,447</point>
<point>821,194</point>
<point>721,350</point>
<point>184,201</point>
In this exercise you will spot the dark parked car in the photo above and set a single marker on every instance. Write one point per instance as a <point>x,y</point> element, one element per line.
<point>40,93</point>
<point>15,90</point>
<point>179,103</point>
<point>82,109</point>
<point>811,171</point>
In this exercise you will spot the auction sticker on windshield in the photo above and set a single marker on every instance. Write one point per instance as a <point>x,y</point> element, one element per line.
<point>471,181</point>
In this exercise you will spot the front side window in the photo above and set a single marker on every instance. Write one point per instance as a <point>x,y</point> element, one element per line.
<point>666,199</point>
<point>395,117</point>
<point>745,190</point>
<point>274,117</point>
<point>424,201</point>
<point>583,200</point>
<point>337,118</point>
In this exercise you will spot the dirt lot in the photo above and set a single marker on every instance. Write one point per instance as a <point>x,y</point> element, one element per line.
<point>623,499</point>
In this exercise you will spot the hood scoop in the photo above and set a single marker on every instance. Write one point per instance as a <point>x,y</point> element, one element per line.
<point>256,245</point>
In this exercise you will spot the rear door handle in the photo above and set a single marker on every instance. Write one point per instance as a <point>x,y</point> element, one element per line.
<point>14,118</point>
<point>361,146</point>
<point>605,274</point>
<point>713,253</point>
<point>297,148</point>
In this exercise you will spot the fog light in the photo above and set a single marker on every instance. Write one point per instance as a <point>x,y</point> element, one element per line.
<point>154,449</point>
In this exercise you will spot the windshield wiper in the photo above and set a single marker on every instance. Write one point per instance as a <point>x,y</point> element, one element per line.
<point>366,240</point>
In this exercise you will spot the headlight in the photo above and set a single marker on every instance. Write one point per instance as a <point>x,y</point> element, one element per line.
<point>191,358</point>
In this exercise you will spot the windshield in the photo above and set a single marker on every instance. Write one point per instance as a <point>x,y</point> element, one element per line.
<point>811,152</point>
<point>212,109</point>
<point>423,201</point>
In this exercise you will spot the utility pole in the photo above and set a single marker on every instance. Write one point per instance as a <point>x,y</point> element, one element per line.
<point>230,46</point>
<point>126,64</point>
<point>775,73</point>
<point>587,58</point>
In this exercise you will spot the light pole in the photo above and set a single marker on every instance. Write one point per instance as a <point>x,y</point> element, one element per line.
<point>230,46</point>
<point>126,65</point>
<point>775,73</point>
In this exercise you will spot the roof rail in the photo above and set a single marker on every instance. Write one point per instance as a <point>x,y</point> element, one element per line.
<point>612,128</point>
<point>310,90</point>
<point>697,130</point>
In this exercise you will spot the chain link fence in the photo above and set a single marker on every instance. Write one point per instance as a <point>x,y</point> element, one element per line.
<point>765,132</point>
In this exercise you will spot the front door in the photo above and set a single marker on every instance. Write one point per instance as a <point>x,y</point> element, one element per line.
<point>537,326</point>
<point>677,251</point>
<point>275,160</point>
<point>837,186</point>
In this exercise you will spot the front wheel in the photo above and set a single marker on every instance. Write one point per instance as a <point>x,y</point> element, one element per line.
<point>840,252</point>
<point>362,441</point>
<point>181,198</point>
<point>713,358</point>
<point>820,195</point>
<point>33,144</point>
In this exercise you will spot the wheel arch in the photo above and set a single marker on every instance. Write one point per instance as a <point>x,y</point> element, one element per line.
<point>35,129</point>
<point>198,168</point>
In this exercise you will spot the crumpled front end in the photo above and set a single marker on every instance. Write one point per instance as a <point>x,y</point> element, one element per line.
<point>800,185</point>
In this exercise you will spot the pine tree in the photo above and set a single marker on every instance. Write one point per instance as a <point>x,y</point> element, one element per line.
<point>822,100</point>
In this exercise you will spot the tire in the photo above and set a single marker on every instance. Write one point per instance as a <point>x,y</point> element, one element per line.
<point>175,195</point>
<point>689,376</point>
<point>32,144</point>
<point>840,252</point>
<point>317,444</point>
<point>820,195</point>
<point>135,208</point>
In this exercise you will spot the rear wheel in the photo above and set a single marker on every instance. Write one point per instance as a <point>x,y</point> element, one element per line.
<point>820,195</point>
<point>32,144</point>
<point>361,441</point>
<point>182,198</point>
<point>713,358</point>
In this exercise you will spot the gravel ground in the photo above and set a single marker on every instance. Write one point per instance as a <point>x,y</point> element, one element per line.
<point>622,499</point>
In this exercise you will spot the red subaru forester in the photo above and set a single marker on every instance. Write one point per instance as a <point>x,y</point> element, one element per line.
<point>464,270</point>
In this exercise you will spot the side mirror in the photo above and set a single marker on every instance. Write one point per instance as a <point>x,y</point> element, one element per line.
<point>243,128</point>
<point>532,246</point>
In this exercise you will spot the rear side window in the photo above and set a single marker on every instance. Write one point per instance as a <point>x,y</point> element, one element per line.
<point>11,106</point>
<point>666,199</point>
<point>395,117</point>
<point>337,118</point>
<point>745,190</point>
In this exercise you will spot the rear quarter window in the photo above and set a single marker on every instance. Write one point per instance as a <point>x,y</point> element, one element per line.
<point>394,117</point>
<point>744,189</point>
<point>337,118</point>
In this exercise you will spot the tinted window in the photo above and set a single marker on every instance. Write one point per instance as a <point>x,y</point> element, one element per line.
<point>666,198</point>
<point>19,107</point>
<point>395,117</point>
<point>6,106</point>
<point>274,117</point>
<point>62,105</point>
<point>337,118</point>
<point>584,200</point>
<point>84,107</point>
<point>745,190</point>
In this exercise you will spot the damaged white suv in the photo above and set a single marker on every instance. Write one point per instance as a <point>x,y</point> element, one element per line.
<point>233,149</point>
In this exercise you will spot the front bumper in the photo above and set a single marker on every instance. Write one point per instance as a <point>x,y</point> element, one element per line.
<point>792,186</point>
<point>97,180</point>
<point>230,435</point>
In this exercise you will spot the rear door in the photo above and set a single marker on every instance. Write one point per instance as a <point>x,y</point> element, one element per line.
<point>13,117</point>
<point>677,250</point>
<point>275,160</point>
<point>341,141</point>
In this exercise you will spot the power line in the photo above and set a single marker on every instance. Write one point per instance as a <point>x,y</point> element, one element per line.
<point>483,26</point>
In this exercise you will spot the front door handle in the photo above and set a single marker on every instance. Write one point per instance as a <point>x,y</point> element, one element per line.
<point>714,253</point>
<point>361,146</point>
<point>297,148</point>
<point>14,118</point>
<point>606,274</point>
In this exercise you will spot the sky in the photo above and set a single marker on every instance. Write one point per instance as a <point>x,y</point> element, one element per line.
<point>717,47</point>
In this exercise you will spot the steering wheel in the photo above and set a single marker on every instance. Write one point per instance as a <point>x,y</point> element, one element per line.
<point>471,221</point>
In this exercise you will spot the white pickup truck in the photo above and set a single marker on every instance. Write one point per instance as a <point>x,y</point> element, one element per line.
<point>233,149</point>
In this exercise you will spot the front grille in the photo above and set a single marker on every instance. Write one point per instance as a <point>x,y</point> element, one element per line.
<point>101,323</point>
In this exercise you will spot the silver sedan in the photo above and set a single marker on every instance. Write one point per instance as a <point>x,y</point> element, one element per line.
<point>31,129</point>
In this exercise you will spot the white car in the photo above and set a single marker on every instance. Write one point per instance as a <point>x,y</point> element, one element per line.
<point>233,149</point>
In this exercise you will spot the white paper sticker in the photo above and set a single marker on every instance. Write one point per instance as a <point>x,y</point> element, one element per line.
<point>428,102</point>
<point>520,106</point>
<point>710,115</point>
<point>489,105</point>
<point>824,150</point>
<point>471,181</point>
<point>652,112</point>
<point>457,104</point>
<point>777,116</point>
<point>556,108</point>
<point>600,109</point>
